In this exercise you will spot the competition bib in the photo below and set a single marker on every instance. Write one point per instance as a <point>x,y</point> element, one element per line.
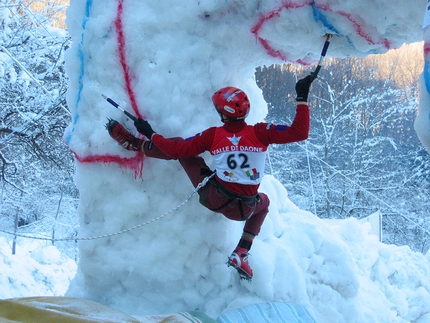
<point>239,157</point>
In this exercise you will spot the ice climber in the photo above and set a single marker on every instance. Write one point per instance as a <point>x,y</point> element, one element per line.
<point>239,152</point>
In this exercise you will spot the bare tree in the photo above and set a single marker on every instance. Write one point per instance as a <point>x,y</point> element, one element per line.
<point>34,114</point>
<point>362,154</point>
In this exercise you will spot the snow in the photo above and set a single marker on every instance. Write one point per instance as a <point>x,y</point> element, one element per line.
<point>36,269</point>
<point>162,60</point>
<point>339,271</point>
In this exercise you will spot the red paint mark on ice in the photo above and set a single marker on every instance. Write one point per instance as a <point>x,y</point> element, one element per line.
<point>269,16</point>
<point>134,163</point>
<point>275,13</point>
<point>426,48</point>
<point>122,59</point>
<point>358,28</point>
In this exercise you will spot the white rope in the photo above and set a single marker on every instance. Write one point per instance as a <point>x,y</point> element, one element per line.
<point>309,161</point>
<point>203,183</point>
<point>310,178</point>
<point>309,154</point>
<point>365,190</point>
<point>269,159</point>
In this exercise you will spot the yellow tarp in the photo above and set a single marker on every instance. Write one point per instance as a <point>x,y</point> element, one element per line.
<point>75,310</point>
<point>59,310</point>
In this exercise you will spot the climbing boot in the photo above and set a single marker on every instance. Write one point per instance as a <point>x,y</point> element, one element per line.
<point>239,260</point>
<point>124,137</point>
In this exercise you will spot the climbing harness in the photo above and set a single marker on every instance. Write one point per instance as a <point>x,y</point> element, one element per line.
<point>314,75</point>
<point>198,187</point>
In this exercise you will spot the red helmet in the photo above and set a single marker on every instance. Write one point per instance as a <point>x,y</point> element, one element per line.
<point>231,102</point>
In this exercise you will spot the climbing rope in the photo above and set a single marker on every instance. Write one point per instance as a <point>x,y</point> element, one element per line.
<point>362,188</point>
<point>307,155</point>
<point>203,183</point>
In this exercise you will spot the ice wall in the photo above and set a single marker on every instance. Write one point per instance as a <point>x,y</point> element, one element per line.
<point>162,60</point>
<point>422,122</point>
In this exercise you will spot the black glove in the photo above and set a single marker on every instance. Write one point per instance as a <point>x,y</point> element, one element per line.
<point>302,88</point>
<point>144,127</point>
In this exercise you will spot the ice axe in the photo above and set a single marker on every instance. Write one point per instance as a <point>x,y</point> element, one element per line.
<point>314,74</point>
<point>116,105</point>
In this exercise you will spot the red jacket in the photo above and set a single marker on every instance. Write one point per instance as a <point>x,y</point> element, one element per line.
<point>238,148</point>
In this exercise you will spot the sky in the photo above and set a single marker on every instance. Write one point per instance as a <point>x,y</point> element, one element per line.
<point>162,61</point>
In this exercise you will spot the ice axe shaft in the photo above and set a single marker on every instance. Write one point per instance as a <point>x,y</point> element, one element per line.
<point>314,74</point>
<point>116,105</point>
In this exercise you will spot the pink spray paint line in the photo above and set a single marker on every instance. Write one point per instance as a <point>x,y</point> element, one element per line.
<point>426,50</point>
<point>122,59</point>
<point>134,163</point>
<point>275,13</point>
<point>269,16</point>
<point>359,30</point>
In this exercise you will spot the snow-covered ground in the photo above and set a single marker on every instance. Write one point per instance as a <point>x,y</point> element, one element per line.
<point>36,269</point>
<point>162,60</point>
<point>339,271</point>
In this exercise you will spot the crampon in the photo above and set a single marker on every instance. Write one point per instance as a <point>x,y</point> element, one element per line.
<point>239,260</point>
